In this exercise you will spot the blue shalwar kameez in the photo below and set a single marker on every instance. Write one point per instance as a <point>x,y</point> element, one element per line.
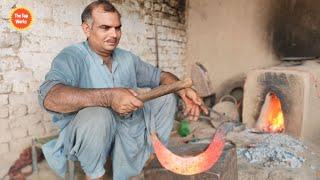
<point>95,133</point>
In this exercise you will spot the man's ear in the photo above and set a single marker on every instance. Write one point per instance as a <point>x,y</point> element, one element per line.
<point>86,29</point>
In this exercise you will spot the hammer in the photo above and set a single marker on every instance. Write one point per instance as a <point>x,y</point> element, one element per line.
<point>165,89</point>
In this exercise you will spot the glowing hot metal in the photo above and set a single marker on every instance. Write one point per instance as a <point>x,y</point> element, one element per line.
<point>196,164</point>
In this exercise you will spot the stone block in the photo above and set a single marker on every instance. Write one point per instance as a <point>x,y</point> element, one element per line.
<point>10,40</point>
<point>41,28</point>
<point>66,12</point>
<point>4,99</point>
<point>28,120</point>
<point>181,26</point>
<point>9,63</point>
<point>173,3</point>
<point>162,36</point>
<point>18,110</point>
<point>46,117</point>
<point>37,46</point>
<point>71,32</point>
<point>39,75</point>
<point>4,148</point>
<point>166,8</point>
<point>34,86</point>
<point>7,52</point>
<point>148,19</point>
<point>150,33</point>
<point>51,128</point>
<point>36,130</point>
<point>157,7</point>
<point>4,124</point>
<point>5,8</point>
<point>22,75</point>
<point>19,144</point>
<point>148,5</point>
<point>5,87</point>
<point>5,136</point>
<point>4,112</point>
<point>39,60</point>
<point>34,108</point>
<point>20,87</point>
<point>18,132</point>
<point>34,118</point>
<point>166,23</point>
<point>26,98</point>
<point>42,9</point>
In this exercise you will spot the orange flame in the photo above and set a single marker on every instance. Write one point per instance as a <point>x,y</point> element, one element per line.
<point>272,117</point>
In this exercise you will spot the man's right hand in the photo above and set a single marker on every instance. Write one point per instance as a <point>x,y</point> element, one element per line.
<point>124,101</point>
<point>66,99</point>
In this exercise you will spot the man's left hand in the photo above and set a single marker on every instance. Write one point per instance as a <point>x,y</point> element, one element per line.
<point>193,103</point>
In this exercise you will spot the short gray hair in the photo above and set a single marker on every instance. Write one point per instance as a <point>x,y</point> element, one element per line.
<point>106,5</point>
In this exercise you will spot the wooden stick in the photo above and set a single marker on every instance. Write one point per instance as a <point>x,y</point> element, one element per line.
<point>165,89</point>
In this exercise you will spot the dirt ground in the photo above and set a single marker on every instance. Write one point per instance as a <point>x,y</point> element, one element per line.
<point>310,169</point>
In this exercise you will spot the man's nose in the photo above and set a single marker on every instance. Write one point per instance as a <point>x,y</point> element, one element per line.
<point>113,32</point>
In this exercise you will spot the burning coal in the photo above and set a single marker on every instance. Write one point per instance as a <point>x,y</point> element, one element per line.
<point>271,116</point>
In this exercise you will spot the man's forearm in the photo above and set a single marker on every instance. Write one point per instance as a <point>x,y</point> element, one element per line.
<point>66,99</point>
<point>167,78</point>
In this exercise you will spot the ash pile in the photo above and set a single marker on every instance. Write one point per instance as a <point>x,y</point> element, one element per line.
<point>272,150</point>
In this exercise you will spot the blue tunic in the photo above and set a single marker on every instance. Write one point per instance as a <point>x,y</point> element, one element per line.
<point>79,66</point>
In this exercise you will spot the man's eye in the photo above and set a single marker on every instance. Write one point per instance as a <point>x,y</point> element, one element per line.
<point>118,28</point>
<point>105,27</point>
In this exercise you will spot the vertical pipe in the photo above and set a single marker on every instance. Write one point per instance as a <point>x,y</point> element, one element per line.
<point>156,44</point>
<point>34,156</point>
<point>155,35</point>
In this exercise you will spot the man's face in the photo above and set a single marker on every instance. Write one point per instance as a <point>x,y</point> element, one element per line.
<point>105,32</point>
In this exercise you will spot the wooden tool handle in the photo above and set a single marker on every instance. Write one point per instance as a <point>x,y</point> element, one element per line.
<point>165,89</point>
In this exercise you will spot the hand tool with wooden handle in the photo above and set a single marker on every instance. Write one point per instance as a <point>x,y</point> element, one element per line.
<point>165,89</point>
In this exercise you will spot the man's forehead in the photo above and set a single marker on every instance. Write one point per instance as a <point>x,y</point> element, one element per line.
<point>100,16</point>
<point>98,9</point>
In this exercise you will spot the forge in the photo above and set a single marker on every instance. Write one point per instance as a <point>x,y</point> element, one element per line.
<point>271,115</point>
<point>289,92</point>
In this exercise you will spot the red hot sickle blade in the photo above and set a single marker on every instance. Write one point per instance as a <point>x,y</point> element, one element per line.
<point>195,164</point>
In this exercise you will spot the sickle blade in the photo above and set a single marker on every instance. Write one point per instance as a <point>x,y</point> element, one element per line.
<point>195,164</point>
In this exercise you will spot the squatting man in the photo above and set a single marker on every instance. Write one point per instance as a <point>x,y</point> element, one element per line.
<point>91,92</point>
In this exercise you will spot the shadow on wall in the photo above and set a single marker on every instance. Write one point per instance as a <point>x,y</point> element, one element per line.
<point>296,28</point>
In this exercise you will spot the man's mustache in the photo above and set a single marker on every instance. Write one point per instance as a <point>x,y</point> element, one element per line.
<point>111,40</point>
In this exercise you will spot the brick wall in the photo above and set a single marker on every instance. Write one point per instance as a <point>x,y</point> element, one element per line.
<point>26,56</point>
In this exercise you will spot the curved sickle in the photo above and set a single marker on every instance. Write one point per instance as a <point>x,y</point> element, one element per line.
<point>196,164</point>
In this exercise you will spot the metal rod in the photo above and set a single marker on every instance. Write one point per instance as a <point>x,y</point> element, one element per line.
<point>156,43</point>
<point>34,156</point>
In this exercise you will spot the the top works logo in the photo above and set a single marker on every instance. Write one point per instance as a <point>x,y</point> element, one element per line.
<point>21,18</point>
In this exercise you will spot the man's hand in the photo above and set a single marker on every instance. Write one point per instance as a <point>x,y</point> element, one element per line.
<point>124,101</point>
<point>193,103</point>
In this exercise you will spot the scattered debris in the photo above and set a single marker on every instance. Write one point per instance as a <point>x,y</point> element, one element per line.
<point>273,150</point>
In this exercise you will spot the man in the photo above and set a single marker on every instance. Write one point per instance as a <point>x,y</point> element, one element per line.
<point>90,89</point>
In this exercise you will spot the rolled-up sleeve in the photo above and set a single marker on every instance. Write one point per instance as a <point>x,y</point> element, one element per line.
<point>147,75</point>
<point>63,71</point>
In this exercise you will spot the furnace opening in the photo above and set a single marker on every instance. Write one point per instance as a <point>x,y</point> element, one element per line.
<point>271,116</point>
